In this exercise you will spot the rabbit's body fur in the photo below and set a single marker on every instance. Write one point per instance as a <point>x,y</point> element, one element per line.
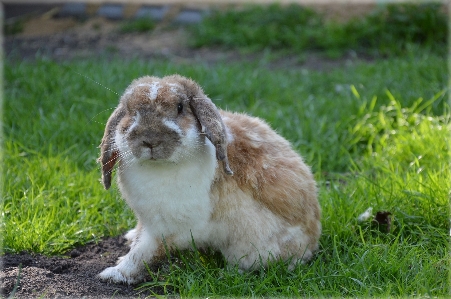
<point>267,210</point>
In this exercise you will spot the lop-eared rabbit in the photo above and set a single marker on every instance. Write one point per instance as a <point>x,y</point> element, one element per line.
<point>190,171</point>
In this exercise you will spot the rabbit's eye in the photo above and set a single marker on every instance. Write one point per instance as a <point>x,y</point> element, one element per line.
<point>179,108</point>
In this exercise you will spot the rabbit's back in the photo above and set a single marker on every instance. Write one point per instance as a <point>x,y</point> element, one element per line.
<point>270,202</point>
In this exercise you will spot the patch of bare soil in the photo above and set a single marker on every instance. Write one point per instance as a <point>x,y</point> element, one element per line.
<point>67,38</point>
<point>69,276</point>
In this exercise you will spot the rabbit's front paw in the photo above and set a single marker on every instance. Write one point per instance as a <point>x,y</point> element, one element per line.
<point>113,274</point>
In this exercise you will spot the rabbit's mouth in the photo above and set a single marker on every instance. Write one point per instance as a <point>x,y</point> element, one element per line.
<point>152,149</point>
<point>153,152</point>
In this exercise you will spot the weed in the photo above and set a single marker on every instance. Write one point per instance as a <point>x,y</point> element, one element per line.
<point>391,30</point>
<point>139,25</point>
<point>13,26</point>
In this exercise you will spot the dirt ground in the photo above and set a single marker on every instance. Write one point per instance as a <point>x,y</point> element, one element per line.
<point>69,276</point>
<point>73,275</point>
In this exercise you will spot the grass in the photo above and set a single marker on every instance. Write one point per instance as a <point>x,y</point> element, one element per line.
<point>388,30</point>
<point>375,134</point>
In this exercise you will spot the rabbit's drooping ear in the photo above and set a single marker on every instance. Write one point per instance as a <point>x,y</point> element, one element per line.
<point>210,119</point>
<point>108,150</point>
<point>208,116</point>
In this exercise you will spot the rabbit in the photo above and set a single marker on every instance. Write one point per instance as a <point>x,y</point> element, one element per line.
<point>192,172</point>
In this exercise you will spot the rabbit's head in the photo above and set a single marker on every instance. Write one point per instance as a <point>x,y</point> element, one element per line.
<point>162,120</point>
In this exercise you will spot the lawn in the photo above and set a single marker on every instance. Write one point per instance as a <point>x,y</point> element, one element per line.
<point>376,135</point>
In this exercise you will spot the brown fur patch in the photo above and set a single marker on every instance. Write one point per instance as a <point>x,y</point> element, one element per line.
<point>265,165</point>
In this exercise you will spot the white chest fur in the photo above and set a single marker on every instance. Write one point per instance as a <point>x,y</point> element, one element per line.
<point>169,198</point>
